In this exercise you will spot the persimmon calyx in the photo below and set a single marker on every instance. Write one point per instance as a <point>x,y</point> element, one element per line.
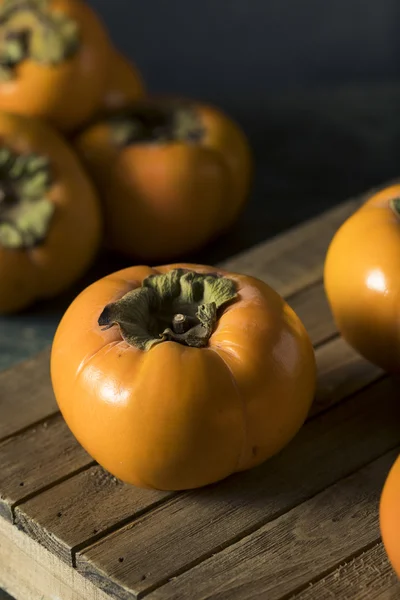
<point>395,206</point>
<point>25,210</point>
<point>30,29</point>
<point>179,306</point>
<point>156,122</point>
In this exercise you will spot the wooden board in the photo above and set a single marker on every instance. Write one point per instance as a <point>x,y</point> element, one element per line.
<point>29,382</point>
<point>365,576</point>
<point>303,525</point>
<point>321,527</point>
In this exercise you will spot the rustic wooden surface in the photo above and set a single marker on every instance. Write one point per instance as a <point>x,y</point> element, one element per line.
<point>39,574</point>
<point>30,383</point>
<point>304,525</point>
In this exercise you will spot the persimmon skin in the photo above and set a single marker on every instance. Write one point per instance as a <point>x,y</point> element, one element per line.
<point>177,417</point>
<point>163,200</point>
<point>229,139</point>
<point>64,94</point>
<point>124,85</point>
<point>389,516</point>
<point>75,230</point>
<point>361,277</point>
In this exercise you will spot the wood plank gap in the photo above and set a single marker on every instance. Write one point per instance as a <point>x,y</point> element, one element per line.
<point>27,427</point>
<point>128,520</point>
<point>309,287</point>
<point>253,529</point>
<point>363,388</point>
<point>326,340</point>
<point>178,496</point>
<point>45,488</point>
<point>46,419</point>
<point>306,288</point>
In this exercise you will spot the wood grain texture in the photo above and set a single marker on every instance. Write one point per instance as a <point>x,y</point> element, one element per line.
<point>29,572</point>
<point>62,518</point>
<point>312,307</point>
<point>340,373</point>
<point>191,527</point>
<point>368,576</point>
<point>37,458</point>
<point>290,551</point>
<point>289,262</point>
<point>26,395</point>
<point>82,508</point>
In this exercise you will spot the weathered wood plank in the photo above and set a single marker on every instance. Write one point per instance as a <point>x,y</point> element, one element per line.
<point>191,527</point>
<point>29,572</point>
<point>312,307</point>
<point>392,593</point>
<point>25,394</point>
<point>341,372</point>
<point>36,458</point>
<point>369,576</point>
<point>295,548</point>
<point>293,260</point>
<point>61,518</point>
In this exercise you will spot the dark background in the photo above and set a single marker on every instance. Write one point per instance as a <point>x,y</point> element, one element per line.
<point>237,52</point>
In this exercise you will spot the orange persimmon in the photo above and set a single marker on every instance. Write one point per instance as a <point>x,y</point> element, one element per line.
<point>177,376</point>
<point>389,515</point>
<point>124,85</point>
<point>54,60</point>
<point>172,175</point>
<point>362,280</point>
<point>50,219</point>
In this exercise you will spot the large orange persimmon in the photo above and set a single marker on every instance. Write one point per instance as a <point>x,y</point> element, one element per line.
<point>362,278</point>
<point>177,376</point>
<point>50,220</point>
<point>172,175</point>
<point>389,516</point>
<point>54,60</point>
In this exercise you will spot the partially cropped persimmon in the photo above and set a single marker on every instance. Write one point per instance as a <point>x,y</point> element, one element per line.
<point>54,60</point>
<point>362,278</point>
<point>50,220</point>
<point>177,376</point>
<point>124,85</point>
<point>172,175</point>
<point>389,515</point>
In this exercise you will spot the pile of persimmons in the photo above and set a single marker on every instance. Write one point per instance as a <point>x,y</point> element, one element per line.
<point>90,160</point>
